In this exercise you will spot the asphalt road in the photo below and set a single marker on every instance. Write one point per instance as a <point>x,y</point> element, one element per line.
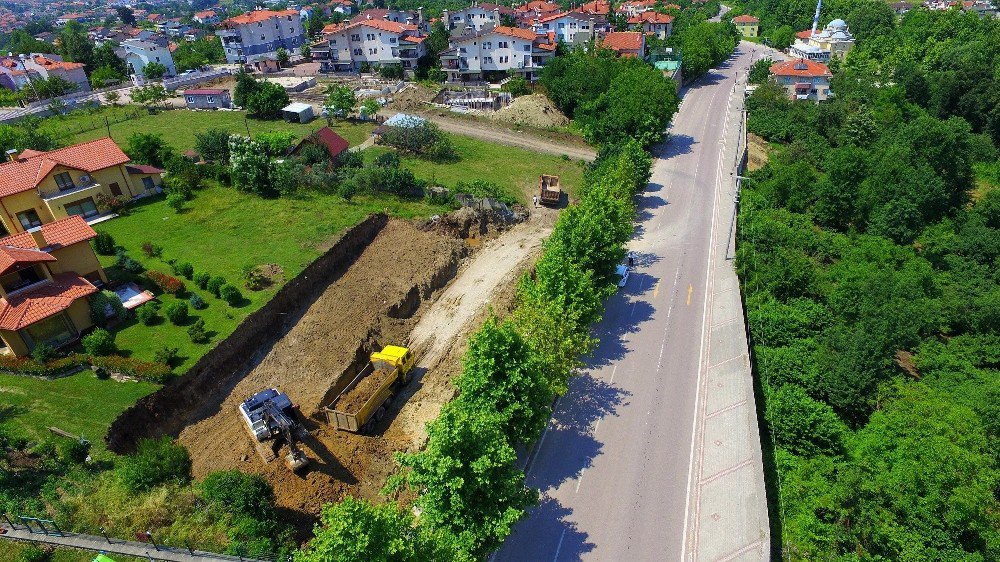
<point>615,463</point>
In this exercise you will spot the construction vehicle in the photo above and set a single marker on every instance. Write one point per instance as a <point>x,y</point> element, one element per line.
<point>358,407</point>
<point>549,191</point>
<point>272,419</point>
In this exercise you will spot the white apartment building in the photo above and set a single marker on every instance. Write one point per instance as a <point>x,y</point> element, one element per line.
<point>494,54</point>
<point>140,52</point>
<point>257,36</point>
<point>476,17</point>
<point>377,42</point>
<point>570,27</point>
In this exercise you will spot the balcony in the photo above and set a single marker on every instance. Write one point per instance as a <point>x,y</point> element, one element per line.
<point>77,191</point>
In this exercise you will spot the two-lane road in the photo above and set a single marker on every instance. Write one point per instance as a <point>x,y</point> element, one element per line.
<point>615,463</point>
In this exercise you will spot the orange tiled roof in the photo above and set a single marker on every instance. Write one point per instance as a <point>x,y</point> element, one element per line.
<point>50,64</point>
<point>651,17</point>
<point>57,234</point>
<point>32,166</point>
<point>800,67</point>
<point>598,7</point>
<point>515,32</point>
<point>745,19</point>
<point>804,34</point>
<point>47,299</point>
<point>385,25</point>
<point>259,16</point>
<point>205,14</point>
<point>11,256</point>
<point>622,41</point>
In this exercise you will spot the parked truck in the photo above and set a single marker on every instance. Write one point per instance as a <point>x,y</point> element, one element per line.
<point>365,399</point>
<point>549,191</point>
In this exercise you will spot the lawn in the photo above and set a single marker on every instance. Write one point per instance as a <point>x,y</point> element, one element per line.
<point>221,232</point>
<point>80,404</point>
<point>512,168</point>
<point>179,126</point>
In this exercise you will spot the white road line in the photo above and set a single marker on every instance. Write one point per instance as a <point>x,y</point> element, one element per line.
<point>559,547</point>
<point>580,480</point>
<point>613,371</point>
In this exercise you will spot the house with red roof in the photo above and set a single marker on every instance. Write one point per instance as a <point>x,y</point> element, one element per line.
<point>372,42</point>
<point>803,79</point>
<point>624,43</point>
<point>570,27</point>
<point>37,188</point>
<point>207,98</point>
<point>48,66</point>
<point>326,138</point>
<point>526,14</point>
<point>747,25</point>
<point>206,17</point>
<point>46,277</point>
<point>494,54</point>
<point>632,8</point>
<point>653,23</point>
<point>256,36</point>
<point>597,7</point>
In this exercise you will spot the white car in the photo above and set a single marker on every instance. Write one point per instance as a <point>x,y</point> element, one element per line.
<point>622,272</point>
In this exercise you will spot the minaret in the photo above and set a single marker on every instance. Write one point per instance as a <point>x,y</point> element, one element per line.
<point>819,6</point>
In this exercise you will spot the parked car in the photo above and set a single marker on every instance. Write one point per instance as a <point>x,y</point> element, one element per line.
<point>622,272</point>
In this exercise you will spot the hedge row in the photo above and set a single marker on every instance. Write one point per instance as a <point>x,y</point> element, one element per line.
<point>142,370</point>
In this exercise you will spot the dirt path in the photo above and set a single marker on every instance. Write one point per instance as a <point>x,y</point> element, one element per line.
<point>441,331</point>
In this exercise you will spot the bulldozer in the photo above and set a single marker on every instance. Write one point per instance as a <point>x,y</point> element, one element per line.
<point>272,419</point>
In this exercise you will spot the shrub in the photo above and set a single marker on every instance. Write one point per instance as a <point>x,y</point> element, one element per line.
<point>253,277</point>
<point>125,262</point>
<point>30,367</point>
<point>176,201</point>
<point>177,312</point>
<point>231,295</point>
<point>197,332</point>
<point>156,461</point>
<point>143,370</point>
<point>166,283</point>
<point>104,244</point>
<point>166,356</point>
<point>201,280</point>
<point>245,494</point>
<point>152,250</point>
<point>43,353</point>
<point>147,313</point>
<point>101,302</point>
<point>185,269</point>
<point>517,86</point>
<point>197,302</point>
<point>99,342</point>
<point>214,284</point>
<point>73,451</point>
<point>32,553</point>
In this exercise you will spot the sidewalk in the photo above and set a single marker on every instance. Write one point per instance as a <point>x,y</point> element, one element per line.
<point>118,546</point>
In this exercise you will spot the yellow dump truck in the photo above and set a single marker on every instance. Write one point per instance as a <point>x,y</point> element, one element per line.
<point>365,399</point>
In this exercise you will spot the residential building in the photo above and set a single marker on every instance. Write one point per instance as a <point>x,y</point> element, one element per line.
<point>526,14</point>
<point>569,27</point>
<point>46,277</point>
<point>493,54</point>
<point>37,188</point>
<point>13,75</point>
<point>395,16</point>
<point>207,98</point>
<point>803,79</point>
<point>345,48</point>
<point>747,25</point>
<point>141,52</point>
<point>207,17</point>
<point>49,66</point>
<point>901,7</point>
<point>326,138</point>
<point>345,7</point>
<point>834,39</point>
<point>476,16</point>
<point>633,8</point>
<point>596,8</point>
<point>258,35</point>
<point>653,23</point>
<point>624,43</point>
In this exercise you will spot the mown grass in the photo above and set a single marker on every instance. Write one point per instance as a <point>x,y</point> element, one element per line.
<point>80,404</point>
<point>512,168</point>
<point>179,126</point>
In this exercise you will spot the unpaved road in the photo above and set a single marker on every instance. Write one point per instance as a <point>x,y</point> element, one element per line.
<point>454,315</point>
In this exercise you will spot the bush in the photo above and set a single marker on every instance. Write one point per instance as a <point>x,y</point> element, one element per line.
<point>214,284</point>
<point>30,367</point>
<point>32,553</point>
<point>253,278</point>
<point>176,201</point>
<point>147,313</point>
<point>517,87</point>
<point>197,302</point>
<point>99,342</point>
<point>125,262</point>
<point>245,494</point>
<point>73,451</point>
<point>152,250</point>
<point>143,370</point>
<point>156,461</point>
<point>99,305</point>
<point>166,356</point>
<point>197,332</point>
<point>231,295</point>
<point>43,353</point>
<point>104,244</point>
<point>201,280</point>
<point>185,269</point>
<point>177,312</point>
<point>166,283</point>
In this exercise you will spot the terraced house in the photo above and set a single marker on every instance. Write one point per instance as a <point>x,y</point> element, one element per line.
<point>37,188</point>
<point>46,277</point>
<point>345,48</point>
<point>493,54</point>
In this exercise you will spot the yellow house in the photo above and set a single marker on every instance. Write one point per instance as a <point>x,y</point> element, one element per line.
<point>46,277</point>
<point>747,25</point>
<point>39,187</point>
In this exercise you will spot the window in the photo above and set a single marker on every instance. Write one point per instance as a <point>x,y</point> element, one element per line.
<point>333,41</point>
<point>561,25</point>
<point>488,45</point>
<point>370,36</point>
<point>372,51</point>
<point>355,37</point>
<point>289,18</point>
<point>392,39</point>
<point>260,24</point>
<point>29,219</point>
<point>262,37</point>
<point>55,331</point>
<point>502,44</point>
<point>85,208</point>
<point>147,184</point>
<point>527,48</point>
<point>488,60</point>
<point>22,278</point>
<point>190,99</point>
<point>357,52</point>
<point>64,181</point>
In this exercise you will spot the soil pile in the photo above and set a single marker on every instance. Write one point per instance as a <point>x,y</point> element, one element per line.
<point>535,110</point>
<point>352,401</point>
<point>412,98</point>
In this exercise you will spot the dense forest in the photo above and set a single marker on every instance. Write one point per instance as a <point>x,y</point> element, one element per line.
<point>868,248</point>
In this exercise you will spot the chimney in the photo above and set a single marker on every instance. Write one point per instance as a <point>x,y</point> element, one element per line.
<point>12,154</point>
<point>420,15</point>
<point>496,15</point>
<point>446,19</point>
<point>39,237</point>
<point>593,27</point>
<point>386,16</point>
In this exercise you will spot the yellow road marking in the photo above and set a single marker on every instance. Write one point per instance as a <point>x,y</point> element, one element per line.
<point>656,289</point>
<point>690,289</point>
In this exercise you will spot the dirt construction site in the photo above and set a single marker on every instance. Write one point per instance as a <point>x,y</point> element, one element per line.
<point>425,286</point>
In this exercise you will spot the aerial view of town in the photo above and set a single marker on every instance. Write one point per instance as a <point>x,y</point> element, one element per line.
<point>449,280</point>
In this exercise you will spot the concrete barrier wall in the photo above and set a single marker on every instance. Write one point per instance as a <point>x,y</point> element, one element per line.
<point>170,409</point>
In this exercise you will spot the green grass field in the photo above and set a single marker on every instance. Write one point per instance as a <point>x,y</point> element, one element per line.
<point>512,168</point>
<point>80,404</point>
<point>179,126</point>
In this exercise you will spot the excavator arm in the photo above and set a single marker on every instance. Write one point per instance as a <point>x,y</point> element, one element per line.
<point>284,426</point>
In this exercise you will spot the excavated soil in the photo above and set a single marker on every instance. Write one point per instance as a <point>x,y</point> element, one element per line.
<point>535,110</point>
<point>375,302</point>
<point>352,401</point>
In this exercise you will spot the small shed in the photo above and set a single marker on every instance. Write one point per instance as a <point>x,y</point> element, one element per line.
<point>325,137</point>
<point>297,112</point>
<point>403,120</point>
<point>207,98</point>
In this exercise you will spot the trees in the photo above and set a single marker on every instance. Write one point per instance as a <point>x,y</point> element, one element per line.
<point>148,148</point>
<point>424,138</point>
<point>340,101</point>
<point>637,105</point>
<point>267,100</point>
<point>252,170</point>
<point>705,45</point>
<point>126,15</point>
<point>104,56</point>
<point>74,45</point>
<point>154,71</point>
<point>783,37</point>
<point>150,96</point>
<point>282,56</point>
<point>213,145</point>
<point>105,76</point>
<point>370,107</point>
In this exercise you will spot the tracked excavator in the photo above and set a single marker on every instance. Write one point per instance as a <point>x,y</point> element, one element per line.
<point>271,419</point>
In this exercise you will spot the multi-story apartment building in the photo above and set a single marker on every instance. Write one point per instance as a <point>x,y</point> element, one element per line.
<point>569,27</point>
<point>17,70</point>
<point>257,36</point>
<point>476,16</point>
<point>494,54</point>
<point>345,48</point>
<point>141,52</point>
<point>653,23</point>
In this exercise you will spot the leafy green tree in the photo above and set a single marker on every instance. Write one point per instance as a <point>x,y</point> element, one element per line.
<point>247,494</point>
<point>245,87</point>
<point>105,76</point>
<point>870,19</point>
<point>154,71</point>
<point>74,45</point>
<point>370,107</point>
<point>105,56</point>
<point>252,170</point>
<point>125,14</point>
<point>148,148</point>
<point>802,425</point>
<point>341,101</point>
<point>156,461</point>
<point>267,101</point>
<point>213,145</point>
<point>150,96</point>
<point>760,71</point>
<point>282,56</point>
<point>783,37</point>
